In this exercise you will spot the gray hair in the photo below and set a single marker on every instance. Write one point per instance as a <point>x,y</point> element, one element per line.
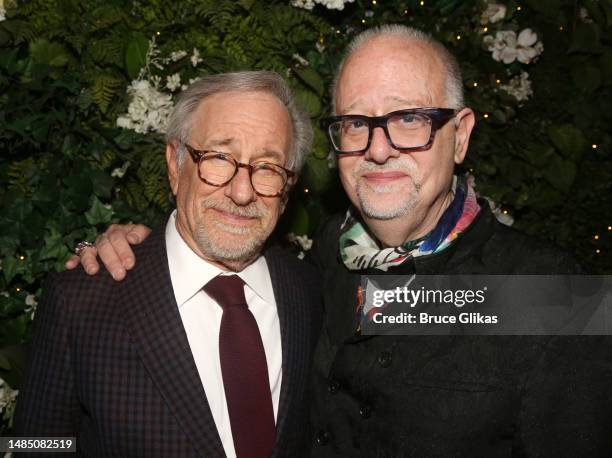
<point>179,123</point>
<point>453,79</point>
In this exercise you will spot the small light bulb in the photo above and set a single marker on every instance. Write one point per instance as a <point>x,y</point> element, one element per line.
<point>306,190</point>
<point>594,146</point>
<point>373,2</point>
<point>561,28</point>
<point>458,37</point>
<point>598,251</point>
<point>610,228</point>
<point>486,116</point>
<point>422,3</point>
<point>498,81</point>
<point>158,33</point>
<point>519,8</point>
<point>22,257</point>
<point>596,237</point>
<point>18,289</point>
<point>485,29</point>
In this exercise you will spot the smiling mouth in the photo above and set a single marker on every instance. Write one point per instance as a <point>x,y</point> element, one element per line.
<point>234,219</point>
<point>384,177</point>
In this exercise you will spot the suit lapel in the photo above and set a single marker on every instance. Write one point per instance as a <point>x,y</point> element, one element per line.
<point>158,333</point>
<point>293,339</point>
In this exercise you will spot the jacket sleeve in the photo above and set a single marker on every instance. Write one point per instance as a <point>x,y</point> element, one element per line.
<point>47,404</point>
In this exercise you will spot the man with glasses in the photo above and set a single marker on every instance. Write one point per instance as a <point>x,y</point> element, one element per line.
<point>400,127</point>
<point>205,350</point>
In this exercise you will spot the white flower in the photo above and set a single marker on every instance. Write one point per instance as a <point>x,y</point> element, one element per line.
<point>519,87</point>
<point>300,240</point>
<point>507,47</point>
<point>303,62</point>
<point>8,397</point>
<point>502,215</point>
<point>148,110</point>
<point>173,82</point>
<point>584,16</point>
<point>329,4</point>
<point>177,55</point>
<point>305,4</point>
<point>195,57</point>
<point>5,294</point>
<point>120,171</point>
<point>495,12</point>
<point>320,46</point>
<point>30,300</point>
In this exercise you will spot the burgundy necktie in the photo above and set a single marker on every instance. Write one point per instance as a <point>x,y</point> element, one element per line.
<point>244,369</point>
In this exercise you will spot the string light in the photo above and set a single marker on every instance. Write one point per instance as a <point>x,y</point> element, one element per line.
<point>18,289</point>
<point>486,115</point>
<point>594,146</point>
<point>363,21</point>
<point>498,81</point>
<point>306,190</point>
<point>519,8</point>
<point>158,33</point>
<point>561,28</point>
<point>422,3</point>
<point>373,2</point>
<point>596,236</point>
<point>475,84</point>
<point>485,29</point>
<point>458,37</point>
<point>598,251</point>
<point>505,212</point>
<point>610,228</point>
<point>22,257</point>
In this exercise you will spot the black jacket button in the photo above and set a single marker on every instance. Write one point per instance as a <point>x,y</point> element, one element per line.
<point>365,411</point>
<point>333,386</point>
<point>323,438</point>
<point>384,358</point>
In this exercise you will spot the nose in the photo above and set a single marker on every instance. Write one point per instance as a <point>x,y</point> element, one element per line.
<point>240,189</point>
<point>380,149</point>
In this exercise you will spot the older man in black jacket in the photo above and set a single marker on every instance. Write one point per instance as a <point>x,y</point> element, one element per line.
<point>399,129</point>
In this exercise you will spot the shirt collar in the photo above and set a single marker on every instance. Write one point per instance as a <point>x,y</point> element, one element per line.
<point>189,272</point>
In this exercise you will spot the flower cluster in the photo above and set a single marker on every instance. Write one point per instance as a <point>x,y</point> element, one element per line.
<point>507,47</point>
<point>301,241</point>
<point>519,87</point>
<point>329,4</point>
<point>8,397</point>
<point>148,110</point>
<point>2,11</point>
<point>495,12</point>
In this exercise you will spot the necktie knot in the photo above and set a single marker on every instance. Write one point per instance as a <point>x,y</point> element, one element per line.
<point>227,290</point>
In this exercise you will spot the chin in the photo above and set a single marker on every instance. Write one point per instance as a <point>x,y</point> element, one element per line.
<point>386,204</point>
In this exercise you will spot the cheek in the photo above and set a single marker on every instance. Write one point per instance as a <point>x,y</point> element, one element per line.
<point>346,170</point>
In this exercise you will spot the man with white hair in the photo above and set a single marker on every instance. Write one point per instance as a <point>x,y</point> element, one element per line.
<point>205,350</point>
<point>399,128</point>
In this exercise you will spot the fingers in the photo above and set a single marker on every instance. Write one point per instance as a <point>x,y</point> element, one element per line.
<point>137,233</point>
<point>112,246</point>
<point>89,261</point>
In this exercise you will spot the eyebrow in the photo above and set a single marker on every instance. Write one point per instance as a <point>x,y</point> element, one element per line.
<point>410,102</point>
<point>267,153</point>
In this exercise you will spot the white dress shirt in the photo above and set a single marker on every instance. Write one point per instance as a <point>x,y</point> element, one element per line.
<point>201,317</point>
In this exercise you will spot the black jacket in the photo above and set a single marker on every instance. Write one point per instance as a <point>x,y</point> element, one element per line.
<point>463,396</point>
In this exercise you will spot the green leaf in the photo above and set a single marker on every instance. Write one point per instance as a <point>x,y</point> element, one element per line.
<point>136,55</point>
<point>309,102</point>
<point>54,247</point>
<point>312,79</point>
<point>4,363</point>
<point>47,53</point>
<point>98,213</point>
<point>560,173</point>
<point>606,66</point>
<point>9,268</point>
<point>568,139</point>
<point>587,78</point>
<point>585,39</point>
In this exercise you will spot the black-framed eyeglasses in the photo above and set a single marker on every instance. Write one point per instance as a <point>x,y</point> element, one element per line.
<point>218,169</point>
<point>406,130</point>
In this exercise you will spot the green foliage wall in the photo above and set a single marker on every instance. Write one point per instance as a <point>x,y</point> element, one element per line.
<point>67,170</point>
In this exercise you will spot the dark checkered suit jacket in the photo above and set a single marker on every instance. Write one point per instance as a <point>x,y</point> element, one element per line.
<point>110,362</point>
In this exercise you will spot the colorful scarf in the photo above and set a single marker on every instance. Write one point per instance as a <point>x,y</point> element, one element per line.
<point>359,251</point>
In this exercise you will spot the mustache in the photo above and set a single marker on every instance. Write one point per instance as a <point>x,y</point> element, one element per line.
<point>248,211</point>
<point>392,164</point>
